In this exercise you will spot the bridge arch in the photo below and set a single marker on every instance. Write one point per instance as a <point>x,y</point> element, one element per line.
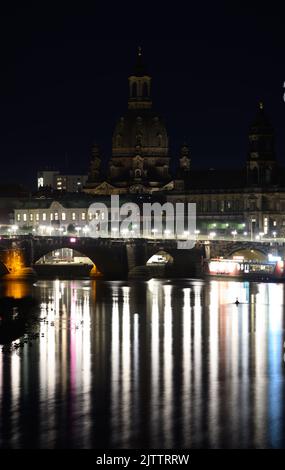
<point>109,257</point>
<point>161,257</point>
<point>48,251</point>
<point>249,253</point>
<point>3,269</point>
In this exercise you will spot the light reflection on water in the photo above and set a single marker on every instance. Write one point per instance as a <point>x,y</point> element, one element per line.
<point>157,364</point>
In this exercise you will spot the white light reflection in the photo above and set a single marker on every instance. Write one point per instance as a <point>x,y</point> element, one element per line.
<point>197,361</point>
<point>260,346</point>
<point>187,343</point>
<point>214,365</point>
<point>167,368</point>
<point>155,395</point>
<point>126,366</point>
<point>275,364</point>
<point>115,362</point>
<point>47,362</point>
<point>15,396</point>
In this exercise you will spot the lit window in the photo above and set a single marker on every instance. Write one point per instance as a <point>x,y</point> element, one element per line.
<point>51,216</point>
<point>40,182</point>
<point>83,216</point>
<point>25,217</point>
<point>63,216</point>
<point>37,217</point>
<point>73,216</point>
<point>275,223</point>
<point>31,217</point>
<point>44,217</point>
<point>90,216</point>
<point>18,217</point>
<point>56,216</point>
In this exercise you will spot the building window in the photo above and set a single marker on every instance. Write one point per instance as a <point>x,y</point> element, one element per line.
<point>63,216</point>
<point>44,217</point>
<point>134,90</point>
<point>25,217</point>
<point>73,216</point>
<point>56,216</point>
<point>37,217</point>
<point>90,216</point>
<point>118,140</point>
<point>51,216</point>
<point>31,217</point>
<point>145,90</point>
<point>18,217</point>
<point>274,223</point>
<point>83,216</point>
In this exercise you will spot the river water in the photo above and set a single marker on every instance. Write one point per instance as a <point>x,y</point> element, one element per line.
<point>158,364</point>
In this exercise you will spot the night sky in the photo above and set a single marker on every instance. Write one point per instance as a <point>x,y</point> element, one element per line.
<point>64,81</point>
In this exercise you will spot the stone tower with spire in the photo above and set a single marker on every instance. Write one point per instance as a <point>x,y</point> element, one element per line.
<point>94,175</point>
<point>261,161</point>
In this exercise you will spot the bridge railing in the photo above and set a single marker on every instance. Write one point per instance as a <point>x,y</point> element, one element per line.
<point>198,238</point>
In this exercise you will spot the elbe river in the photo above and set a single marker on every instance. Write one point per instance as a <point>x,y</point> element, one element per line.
<point>158,364</point>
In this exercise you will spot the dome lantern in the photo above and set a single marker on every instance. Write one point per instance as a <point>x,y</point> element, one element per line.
<point>140,85</point>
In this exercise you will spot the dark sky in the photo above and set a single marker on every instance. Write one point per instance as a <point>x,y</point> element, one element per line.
<point>64,80</point>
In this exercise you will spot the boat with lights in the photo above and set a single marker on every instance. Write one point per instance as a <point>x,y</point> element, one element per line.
<point>239,268</point>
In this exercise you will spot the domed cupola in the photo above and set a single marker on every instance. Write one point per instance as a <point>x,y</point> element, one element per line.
<point>261,160</point>
<point>140,133</point>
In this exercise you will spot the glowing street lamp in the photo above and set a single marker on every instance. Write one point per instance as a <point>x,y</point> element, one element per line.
<point>197,233</point>
<point>154,231</point>
<point>85,230</point>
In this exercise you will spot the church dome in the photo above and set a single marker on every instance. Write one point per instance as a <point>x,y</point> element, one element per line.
<point>140,131</point>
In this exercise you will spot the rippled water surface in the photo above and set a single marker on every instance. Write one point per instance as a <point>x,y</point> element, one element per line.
<point>161,364</point>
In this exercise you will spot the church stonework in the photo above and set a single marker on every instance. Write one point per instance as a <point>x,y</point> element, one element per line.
<point>140,161</point>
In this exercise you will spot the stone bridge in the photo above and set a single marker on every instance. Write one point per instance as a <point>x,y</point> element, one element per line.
<point>116,258</point>
<point>227,248</point>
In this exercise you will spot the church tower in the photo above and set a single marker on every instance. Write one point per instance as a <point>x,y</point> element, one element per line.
<point>140,152</point>
<point>140,86</point>
<point>261,161</point>
<point>94,175</point>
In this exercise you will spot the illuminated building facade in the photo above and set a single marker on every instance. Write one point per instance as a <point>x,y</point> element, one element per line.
<point>249,201</point>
